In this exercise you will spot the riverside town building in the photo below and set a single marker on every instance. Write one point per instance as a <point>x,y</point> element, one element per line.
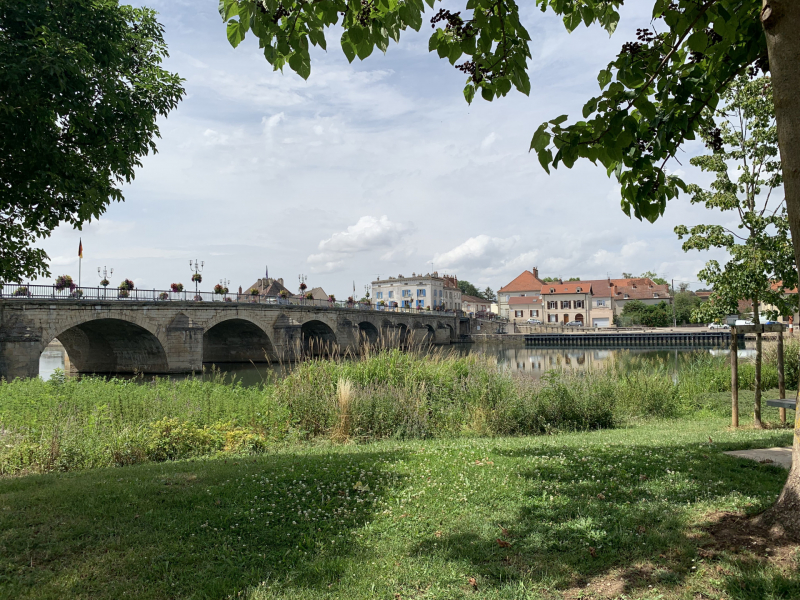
<point>418,291</point>
<point>593,302</point>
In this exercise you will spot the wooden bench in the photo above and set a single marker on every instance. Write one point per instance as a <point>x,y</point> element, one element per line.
<point>782,403</point>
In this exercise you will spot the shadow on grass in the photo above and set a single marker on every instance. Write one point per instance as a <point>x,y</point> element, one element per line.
<point>203,529</point>
<point>619,519</point>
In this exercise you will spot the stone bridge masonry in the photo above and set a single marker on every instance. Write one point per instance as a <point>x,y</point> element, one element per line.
<point>112,336</point>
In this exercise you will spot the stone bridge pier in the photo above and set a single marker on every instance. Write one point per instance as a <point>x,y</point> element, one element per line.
<point>114,336</point>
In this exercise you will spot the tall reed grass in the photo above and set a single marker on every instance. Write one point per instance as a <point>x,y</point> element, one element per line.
<point>66,424</point>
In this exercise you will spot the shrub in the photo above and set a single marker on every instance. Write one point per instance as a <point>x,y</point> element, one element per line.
<point>163,296</point>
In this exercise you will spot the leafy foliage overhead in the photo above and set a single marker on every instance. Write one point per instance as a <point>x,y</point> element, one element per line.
<point>81,87</point>
<point>653,95</point>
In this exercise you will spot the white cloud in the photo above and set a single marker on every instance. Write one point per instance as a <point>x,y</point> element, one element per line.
<point>368,234</point>
<point>477,252</point>
<point>488,140</point>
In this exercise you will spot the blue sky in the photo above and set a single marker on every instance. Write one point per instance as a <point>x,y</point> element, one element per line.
<point>374,168</point>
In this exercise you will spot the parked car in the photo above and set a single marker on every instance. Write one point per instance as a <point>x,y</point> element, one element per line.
<point>575,324</point>
<point>743,322</point>
<point>534,322</point>
<point>718,326</point>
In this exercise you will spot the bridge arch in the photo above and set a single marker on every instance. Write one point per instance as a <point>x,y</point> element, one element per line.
<point>318,338</point>
<point>368,333</point>
<point>423,333</point>
<point>237,340</point>
<point>108,345</point>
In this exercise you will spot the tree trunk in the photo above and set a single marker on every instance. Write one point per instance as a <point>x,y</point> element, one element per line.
<point>781,21</point>
<point>757,387</point>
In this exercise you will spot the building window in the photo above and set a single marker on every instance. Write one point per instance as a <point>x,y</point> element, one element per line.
<point>578,303</point>
<point>420,303</point>
<point>655,295</point>
<point>391,294</point>
<point>552,290</point>
<point>379,295</point>
<point>517,313</point>
<point>625,296</point>
<point>578,290</point>
<point>552,304</point>
<point>566,304</point>
<point>600,303</point>
<point>406,293</point>
<point>534,313</point>
<point>420,293</point>
<point>552,318</point>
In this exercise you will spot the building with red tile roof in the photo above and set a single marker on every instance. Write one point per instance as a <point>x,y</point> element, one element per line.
<point>526,284</point>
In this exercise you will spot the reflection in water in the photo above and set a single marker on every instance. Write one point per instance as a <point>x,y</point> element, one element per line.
<point>50,360</point>
<point>531,361</point>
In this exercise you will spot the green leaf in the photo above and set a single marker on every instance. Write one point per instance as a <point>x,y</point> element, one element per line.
<point>469,93</point>
<point>545,159</point>
<point>348,48</point>
<point>559,120</point>
<point>235,35</point>
<point>540,138</point>
<point>604,78</point>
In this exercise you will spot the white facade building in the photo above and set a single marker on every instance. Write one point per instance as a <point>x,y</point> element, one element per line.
<point>418,291</point>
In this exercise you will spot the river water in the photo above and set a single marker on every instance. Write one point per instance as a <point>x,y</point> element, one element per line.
<point>530,361</point>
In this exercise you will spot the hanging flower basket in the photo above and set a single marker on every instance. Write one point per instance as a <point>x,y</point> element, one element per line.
<point>254,291</point>
<point>303,287</point>
<point>163,296</point>
<point>283,293</point>
<point>77,294</point>
<point>126,285</point>
<point>228,299</point>
<point>309,296</point>
<point>331,298</point>
<point>198,298</point>
<point>22,291</point>
<point>381,303</point>
<point>176,287</point>
<point>197,278</point>
<point>63,282</point>
<point>104,282</point>
<point>220,289</point>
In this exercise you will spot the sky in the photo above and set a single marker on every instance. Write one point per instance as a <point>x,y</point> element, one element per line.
<point>370,169</point>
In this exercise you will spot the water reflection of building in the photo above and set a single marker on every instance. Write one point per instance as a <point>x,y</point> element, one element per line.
<point>537,361</point>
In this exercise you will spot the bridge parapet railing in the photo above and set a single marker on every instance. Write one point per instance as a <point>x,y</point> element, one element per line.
<point>25,291</point>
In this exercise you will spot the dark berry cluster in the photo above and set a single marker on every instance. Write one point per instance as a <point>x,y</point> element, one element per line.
<point>366,13</point>
<point>632,48</point>
<point>454,23</point>
<point>715,139</point>
<point>470,68</point>
<point>645,36</point>
<point>279,13</point>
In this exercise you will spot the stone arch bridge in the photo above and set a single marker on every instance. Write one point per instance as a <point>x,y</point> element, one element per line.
<point>108,336</point>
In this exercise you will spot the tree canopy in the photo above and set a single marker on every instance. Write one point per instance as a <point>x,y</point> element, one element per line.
<point>467,288</point>
<point>81,87</point>
<point>761,264</point>
<point>653,95</point>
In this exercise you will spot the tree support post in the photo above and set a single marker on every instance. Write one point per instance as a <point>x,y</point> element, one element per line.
<point>781,380</point>
<point>734,379</point>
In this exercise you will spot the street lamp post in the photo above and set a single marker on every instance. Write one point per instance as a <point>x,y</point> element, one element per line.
<point>196,274</point>
<point>104,277</point>
<point>224,283</point>
<point>302,286</point>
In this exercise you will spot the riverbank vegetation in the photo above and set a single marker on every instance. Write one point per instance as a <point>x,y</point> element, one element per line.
<point>67,424</point>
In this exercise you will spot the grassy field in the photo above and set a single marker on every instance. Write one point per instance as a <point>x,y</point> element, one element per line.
<point>619,513</point>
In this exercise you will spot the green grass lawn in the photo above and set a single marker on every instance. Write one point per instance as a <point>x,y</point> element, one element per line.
<point>618,508</point>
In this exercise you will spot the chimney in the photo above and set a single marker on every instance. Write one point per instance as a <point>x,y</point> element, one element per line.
<point>536,272</point>
<point>280,280</point>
